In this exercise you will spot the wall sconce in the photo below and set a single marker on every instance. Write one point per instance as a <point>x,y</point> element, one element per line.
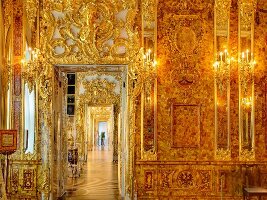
<point>222,69</point>
<point>30,67</point>
<point>148,71</point>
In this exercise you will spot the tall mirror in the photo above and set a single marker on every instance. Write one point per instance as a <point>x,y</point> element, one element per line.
<point>149,83</point>
<point>246,79</point>
<point>29,102</point>
<point>222,79</point>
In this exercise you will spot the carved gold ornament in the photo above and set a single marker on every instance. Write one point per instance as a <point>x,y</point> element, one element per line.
<point>90,32</point>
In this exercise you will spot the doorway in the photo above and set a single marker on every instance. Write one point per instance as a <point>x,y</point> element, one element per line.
<point>99,131</point>
<point>99,128</point>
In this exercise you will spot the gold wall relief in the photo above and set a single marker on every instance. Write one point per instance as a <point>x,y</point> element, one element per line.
<point>90,32</point>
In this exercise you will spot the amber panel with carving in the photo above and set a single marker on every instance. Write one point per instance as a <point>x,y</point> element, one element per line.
<point>185,77</point>
<point>192,181</point>
<point>185,126</point>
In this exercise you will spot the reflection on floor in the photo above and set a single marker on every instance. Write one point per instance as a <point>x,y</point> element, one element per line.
<point>98,179</point>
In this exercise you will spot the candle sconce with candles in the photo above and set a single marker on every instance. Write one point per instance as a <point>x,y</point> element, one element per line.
<point>222,70</point>
<point>30,65</point>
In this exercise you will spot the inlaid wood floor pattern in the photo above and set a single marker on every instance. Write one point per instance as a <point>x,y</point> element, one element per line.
<point>98,179</point>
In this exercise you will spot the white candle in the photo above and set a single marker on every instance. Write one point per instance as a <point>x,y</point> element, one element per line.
<point>247,54</point>
<point>221,53</point>
<point>243,56</point>
<point>30,52</point>
<point>225,52</point>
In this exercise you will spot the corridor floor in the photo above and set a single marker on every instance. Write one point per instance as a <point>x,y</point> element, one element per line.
<point>98,179</point>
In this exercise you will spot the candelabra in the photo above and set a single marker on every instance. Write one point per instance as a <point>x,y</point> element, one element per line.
<point>146,70</point>
<point>30,67</point>
<point>222,70</point>
<point>246,74</point>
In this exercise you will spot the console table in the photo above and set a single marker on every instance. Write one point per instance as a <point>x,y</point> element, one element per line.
<point>254,191</point>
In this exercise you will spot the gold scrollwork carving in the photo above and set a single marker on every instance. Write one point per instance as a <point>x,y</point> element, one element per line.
<point>89,33</point>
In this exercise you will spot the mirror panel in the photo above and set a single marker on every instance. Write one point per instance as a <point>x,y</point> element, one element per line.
<point>222,79</point>
<point>246,79</point>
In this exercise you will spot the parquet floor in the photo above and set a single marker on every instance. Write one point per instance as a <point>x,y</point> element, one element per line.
<point>98,179</point>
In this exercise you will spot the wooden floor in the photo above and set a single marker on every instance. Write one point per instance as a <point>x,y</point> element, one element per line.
<point>98,179</point>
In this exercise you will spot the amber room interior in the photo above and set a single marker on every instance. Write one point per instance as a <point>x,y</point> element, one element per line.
<point>133,99</point>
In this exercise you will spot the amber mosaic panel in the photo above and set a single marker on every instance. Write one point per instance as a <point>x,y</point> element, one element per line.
<point>28,179</point>
<point>185,126</point>
<point>17,79</point>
